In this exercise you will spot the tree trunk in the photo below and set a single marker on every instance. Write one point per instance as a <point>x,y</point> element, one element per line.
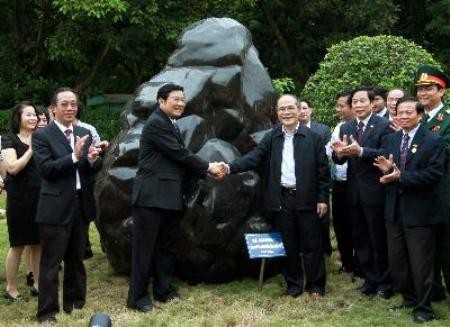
<point>87,79</point>
<point>278,35</point>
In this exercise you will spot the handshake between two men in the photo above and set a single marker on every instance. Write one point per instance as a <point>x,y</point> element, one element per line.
<point>218,170</point>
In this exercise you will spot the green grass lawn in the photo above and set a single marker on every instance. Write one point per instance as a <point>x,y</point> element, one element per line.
<point>237,303</point>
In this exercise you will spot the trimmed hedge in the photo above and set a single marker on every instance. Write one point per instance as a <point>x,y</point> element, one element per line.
<point>388,61</point>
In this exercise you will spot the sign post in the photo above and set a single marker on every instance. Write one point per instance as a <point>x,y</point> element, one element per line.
<point>267,245</point>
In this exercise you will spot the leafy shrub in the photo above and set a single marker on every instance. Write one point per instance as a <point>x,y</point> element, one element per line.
<point>5,117</point>
<point>388,61</point>
<point>284,85</point>
<point>105,120</point>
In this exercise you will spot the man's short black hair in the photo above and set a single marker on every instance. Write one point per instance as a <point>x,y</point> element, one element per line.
<point>369,91</point>
<point>420,109</point>
<point>380,91</point>
<point>16,115</point>
<point>54,98</point>
<point>164,91</point>
<point>347,94</point>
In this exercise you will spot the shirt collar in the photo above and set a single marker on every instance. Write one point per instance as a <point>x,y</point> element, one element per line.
<point>285,133</point>
<point>434,111</point>
<point>365,120</point>
<point>412,132</point>
<point>382,112</point>
<point>62,127</point>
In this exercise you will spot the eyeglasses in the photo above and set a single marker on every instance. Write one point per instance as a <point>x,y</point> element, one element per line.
<point>177,99</point>
<point>287,109</point>
<point>66,105</point>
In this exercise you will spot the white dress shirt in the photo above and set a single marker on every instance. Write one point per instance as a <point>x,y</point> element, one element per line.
<point>338,172</point>
<point>72,144</point>
<point>382,112</point>
<point>287,161</point>
<point>411,134</point>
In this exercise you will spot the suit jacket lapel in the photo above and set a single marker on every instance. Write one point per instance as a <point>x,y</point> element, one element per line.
<point>415,143</point>
<point>353,128</point>
<point>170,125</point>
<point>369,129</point>
<point>59,136</point>
<point>396,147</point>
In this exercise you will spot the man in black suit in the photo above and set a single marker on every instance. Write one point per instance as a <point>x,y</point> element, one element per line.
<point>158,200</point>
<point>359,144</point>
<point>413,165</point>
<point>340,210</point>
<point>296,193</point>
<point>67,164</point>
<point>325,135</point>
<point>379,102</point>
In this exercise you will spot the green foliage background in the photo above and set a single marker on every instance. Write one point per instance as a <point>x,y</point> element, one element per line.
<point>387,61</point>
<point>105,120</point>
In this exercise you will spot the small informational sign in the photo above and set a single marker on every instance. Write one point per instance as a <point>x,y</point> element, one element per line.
<point>268,245</point>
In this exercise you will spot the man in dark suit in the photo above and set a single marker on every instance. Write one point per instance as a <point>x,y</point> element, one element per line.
<point>359,144</point>
<point>413,165</point>
<point>431,85</point>
<point>67,164</point>
<point>158,200</point>
<point>296,193</point>
<point>379,102</point>
<point>324,132</point>
<point>340,210</point>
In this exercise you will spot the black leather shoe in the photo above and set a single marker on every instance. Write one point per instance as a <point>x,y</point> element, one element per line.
<point>174,296</point>
<point>422,317</point>
<point>384,294</point>
<point>34,291</point>
<point>142,305</point>
<point>30,279</point>
<point>292,292</point>
<point>142,308</point>
<point>366,289</point>
<point>68,308</point>
<point>48,319</point>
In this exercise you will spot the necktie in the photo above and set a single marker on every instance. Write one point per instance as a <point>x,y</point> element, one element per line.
<point>359,132</point>
<point>177,129</point>
<point>68,133</point>
<point>425,118</point>
<point>404,151</point>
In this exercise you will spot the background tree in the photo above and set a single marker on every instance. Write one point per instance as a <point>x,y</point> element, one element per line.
<point>387,61</point>
<point>111,46</point>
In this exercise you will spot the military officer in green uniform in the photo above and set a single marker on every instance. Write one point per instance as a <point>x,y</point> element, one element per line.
<point>431,84</point>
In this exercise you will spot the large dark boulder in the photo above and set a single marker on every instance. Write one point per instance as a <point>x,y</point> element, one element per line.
<point>229,99</point>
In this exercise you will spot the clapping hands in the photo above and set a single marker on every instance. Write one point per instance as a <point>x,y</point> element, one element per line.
<point>389,169</point>
<point>383,164</point>
<point>218,170</point>
<point>343,148</point>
